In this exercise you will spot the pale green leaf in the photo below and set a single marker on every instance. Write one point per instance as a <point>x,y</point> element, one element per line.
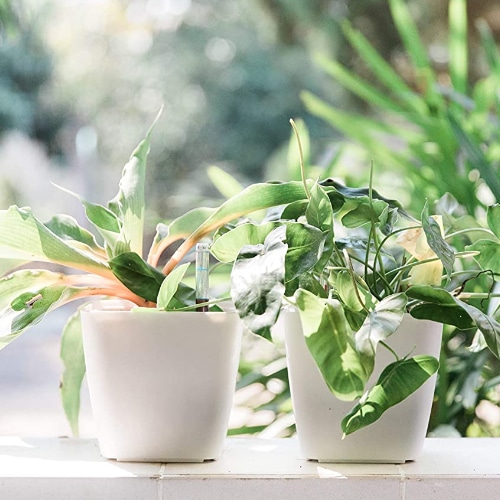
<point>170,285</point>
<point>329,339</point>
<point>73,361</point>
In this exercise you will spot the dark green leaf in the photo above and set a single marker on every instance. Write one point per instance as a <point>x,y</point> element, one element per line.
<point>305,248</point>
<point>396,382</point>
<point>138,276</point>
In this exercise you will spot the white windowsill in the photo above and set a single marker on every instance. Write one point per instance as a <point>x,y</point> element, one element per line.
<point>249,469</point>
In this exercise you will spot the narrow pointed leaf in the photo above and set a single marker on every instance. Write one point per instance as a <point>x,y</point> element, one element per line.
<point>128,205</point>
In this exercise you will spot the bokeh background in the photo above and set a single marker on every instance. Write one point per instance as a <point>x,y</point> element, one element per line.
<point>81,81</point>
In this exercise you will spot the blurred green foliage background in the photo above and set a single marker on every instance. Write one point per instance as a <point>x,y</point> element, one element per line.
<point>80,81</point>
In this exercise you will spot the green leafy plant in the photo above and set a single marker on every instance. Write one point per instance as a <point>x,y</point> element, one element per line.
<point>426,131</point>
<point>344,259</point>
<point>108,262</point>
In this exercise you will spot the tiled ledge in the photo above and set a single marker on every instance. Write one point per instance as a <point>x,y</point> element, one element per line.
<point>53,469</point>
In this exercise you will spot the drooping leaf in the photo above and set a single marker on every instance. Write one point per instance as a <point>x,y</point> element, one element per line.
<point>380,324</point>
<point>437,242</point>
<point>489,327</point>
<point>73,361</point>
<point>16,318</point>
<point>25,237</point>
<point>329,339</point>
<point>138,276</point>
<point>257,283</point>
<point>396,382</point>
<point>170,285</point>
<point>438,305</point>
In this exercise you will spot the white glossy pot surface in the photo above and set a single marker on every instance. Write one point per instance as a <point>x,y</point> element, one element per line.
<point>396,437</point>
<point>161,383</point>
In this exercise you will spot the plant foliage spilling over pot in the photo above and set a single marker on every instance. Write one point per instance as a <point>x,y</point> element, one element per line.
<point>108,261</point>
<point>354,263</point>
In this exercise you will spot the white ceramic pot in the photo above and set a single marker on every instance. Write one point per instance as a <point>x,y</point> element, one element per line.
<point>161,383</point>
<point>396,437</point>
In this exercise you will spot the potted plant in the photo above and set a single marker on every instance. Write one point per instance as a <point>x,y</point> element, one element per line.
<point>365,290</point>
<point>154,321</point>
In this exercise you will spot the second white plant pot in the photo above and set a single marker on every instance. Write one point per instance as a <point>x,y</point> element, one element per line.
<point>396,437</point>
<point>161,383</point>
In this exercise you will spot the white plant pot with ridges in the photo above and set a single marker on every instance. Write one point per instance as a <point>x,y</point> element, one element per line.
<point>399,434</point>
<point>161,383</point>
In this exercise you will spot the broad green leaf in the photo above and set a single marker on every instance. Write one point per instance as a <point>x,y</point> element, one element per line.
<point>138,276</point>
<point>68,229</point>
<point>73,360</point>
<point>436,241</point>
<point>253,198</point>
<point>489,254</point>
<point>329,339</point>
<point>493,217</point>
<point>170,285</point>
<point>346,291</point>
<point>380,323</point>
<point>129,204</point>
<point>257,283</point>
<point>396,382</point>
<point>365,213</point>
<point>489,327</point>
<point>25,237</point>
<point>226,247</point>
<point>438,305</point>
<point>305,248</point>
